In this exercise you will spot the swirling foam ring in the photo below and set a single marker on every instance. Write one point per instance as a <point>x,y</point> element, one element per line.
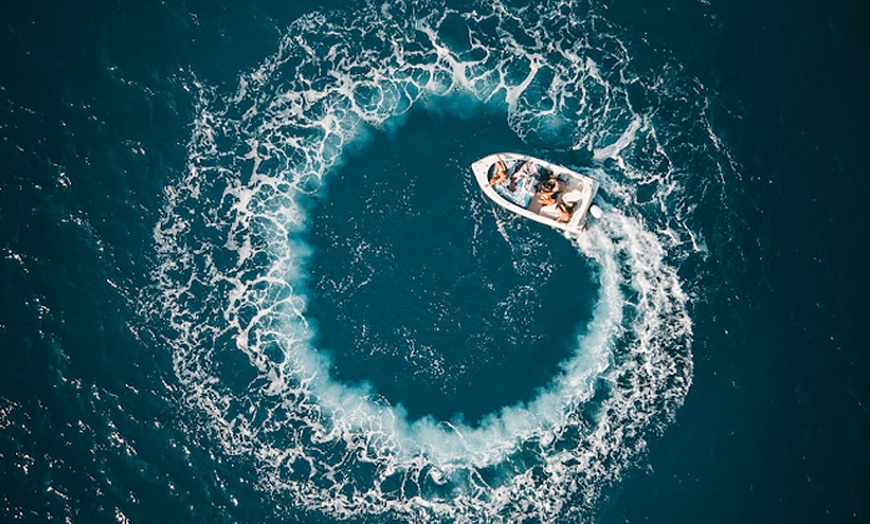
<point>336,448</point>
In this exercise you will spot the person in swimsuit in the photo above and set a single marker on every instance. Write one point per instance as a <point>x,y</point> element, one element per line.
<point>559,205</point>
<point>549,190</point>
<point>499,173</point>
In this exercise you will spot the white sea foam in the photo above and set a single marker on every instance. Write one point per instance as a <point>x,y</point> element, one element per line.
<point>233,262</point>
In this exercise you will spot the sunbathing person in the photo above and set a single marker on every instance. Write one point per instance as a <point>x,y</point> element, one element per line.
<point>498,173</point>
<point>518,186</point>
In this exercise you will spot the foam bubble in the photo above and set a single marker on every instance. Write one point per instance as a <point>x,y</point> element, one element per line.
<point>232,286</point>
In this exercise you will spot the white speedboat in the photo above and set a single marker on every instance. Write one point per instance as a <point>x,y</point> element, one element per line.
<point>536,189</point>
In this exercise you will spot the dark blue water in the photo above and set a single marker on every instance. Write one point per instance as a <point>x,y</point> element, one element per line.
<point>224,278</point>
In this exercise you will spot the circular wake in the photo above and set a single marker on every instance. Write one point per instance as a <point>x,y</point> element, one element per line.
<point>232,279</point>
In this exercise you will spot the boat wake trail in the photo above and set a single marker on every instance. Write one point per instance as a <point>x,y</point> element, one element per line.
<point>231,284</point>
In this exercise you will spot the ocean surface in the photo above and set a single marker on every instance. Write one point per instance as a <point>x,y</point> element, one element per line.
<point>246,275</point>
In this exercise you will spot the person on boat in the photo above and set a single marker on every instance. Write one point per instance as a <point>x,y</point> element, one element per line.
<point>498,173</point>
<point>565,209</point>
<point>529,171</point>
<point>562,206</point>
<point>549,190</point>
<point>527,174</point>
<point>517,187</point>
